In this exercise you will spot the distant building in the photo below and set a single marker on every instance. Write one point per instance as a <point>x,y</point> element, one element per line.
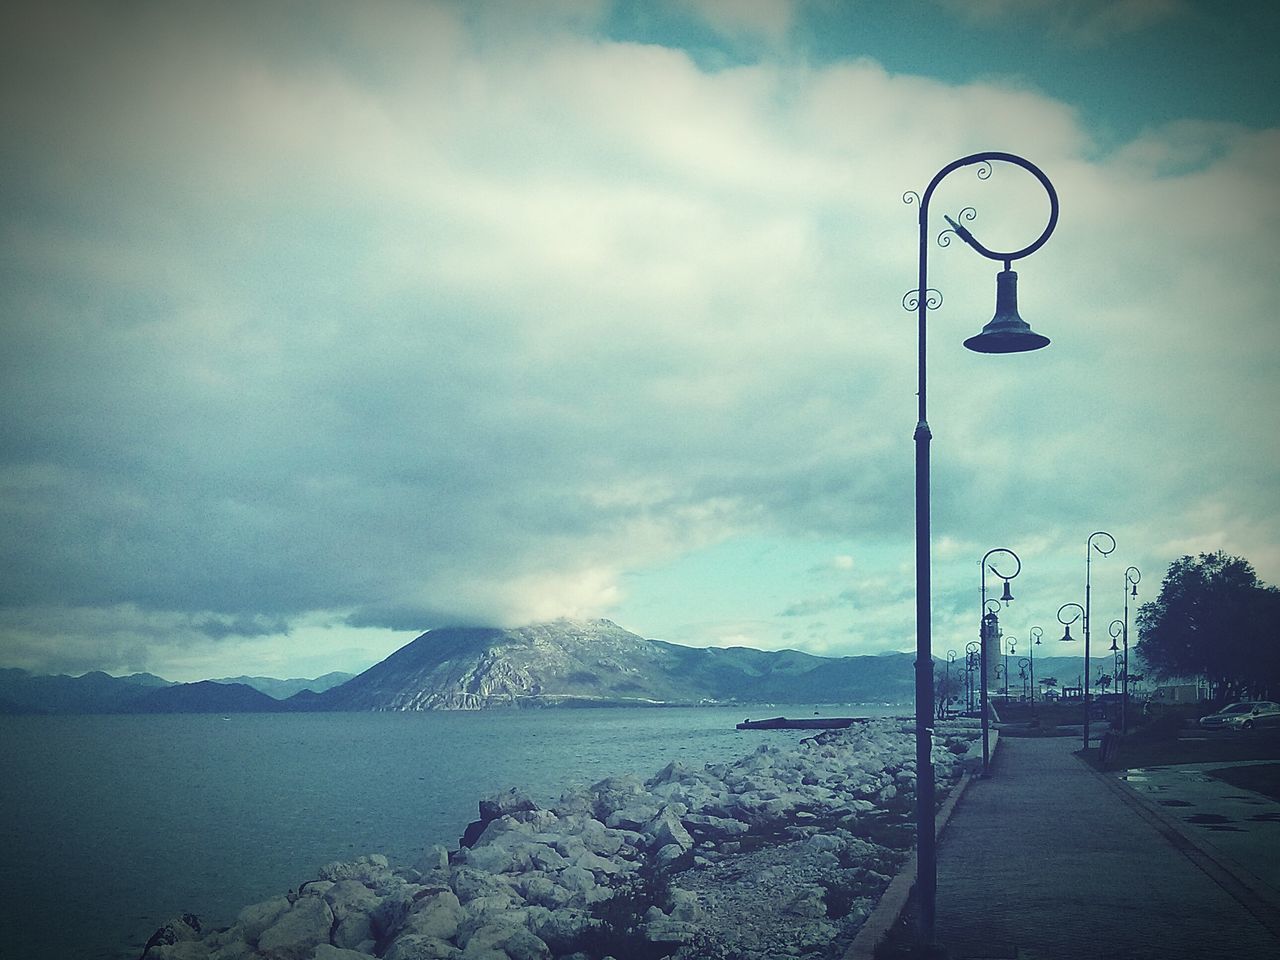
<point>1193,692</point>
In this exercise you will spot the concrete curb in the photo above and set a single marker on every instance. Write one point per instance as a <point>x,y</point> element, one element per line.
<point>894,900</point>
<point>1254,894</point>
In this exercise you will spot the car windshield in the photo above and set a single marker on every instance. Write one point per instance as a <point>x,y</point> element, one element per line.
<point>1239,708</point>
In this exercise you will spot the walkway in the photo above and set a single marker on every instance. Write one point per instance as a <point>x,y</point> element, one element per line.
<point>1048,859</point>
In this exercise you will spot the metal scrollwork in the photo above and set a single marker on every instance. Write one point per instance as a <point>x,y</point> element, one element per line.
<point>944,238</point>
<point>911,197</point>
<point>911,300</point>
<point>984,170</point>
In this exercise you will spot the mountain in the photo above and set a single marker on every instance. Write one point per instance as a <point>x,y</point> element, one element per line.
<point>284,689</point>
<point>97,692</point>
<point>207,696</point>
<point>597,662</point>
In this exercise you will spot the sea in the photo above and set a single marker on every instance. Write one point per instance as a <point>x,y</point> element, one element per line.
<point>112,825</point>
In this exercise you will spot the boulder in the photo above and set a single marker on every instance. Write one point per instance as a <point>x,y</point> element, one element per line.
<point>436,917</point>
<point>504,939</point>
<point>352,904</point>
<point>256,918</point>
<point>665,828</point>
<point>417,947</point>
<point>505,803</point>
<point>298,931</point>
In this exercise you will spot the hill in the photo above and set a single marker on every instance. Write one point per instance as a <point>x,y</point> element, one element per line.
<point>598,662</point>
<point>97,692</point>
<point>207,696</point>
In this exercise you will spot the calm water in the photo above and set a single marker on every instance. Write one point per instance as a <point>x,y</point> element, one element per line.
<point>110,825</point>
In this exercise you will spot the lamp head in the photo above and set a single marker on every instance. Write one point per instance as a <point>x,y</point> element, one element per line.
<point>1066,636</point>
<point>1007,595</point>
<point>1006,332</point>
<point>1134,592</point>
<point>1113,645</point>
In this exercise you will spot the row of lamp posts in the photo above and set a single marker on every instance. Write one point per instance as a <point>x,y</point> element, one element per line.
<point>1006,332</point>
<point>1068,613</point>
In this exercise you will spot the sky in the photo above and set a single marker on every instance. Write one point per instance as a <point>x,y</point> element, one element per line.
<point>326,324</point>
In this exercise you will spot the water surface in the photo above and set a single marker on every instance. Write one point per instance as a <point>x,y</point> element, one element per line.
<point>111,825</point>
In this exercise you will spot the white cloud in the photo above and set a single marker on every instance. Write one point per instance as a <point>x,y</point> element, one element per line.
<point>444,326</point>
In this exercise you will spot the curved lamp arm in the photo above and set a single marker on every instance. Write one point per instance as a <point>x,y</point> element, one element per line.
<point>1078,614</point>
<point>1132,577</point>
<point>1098,546</point>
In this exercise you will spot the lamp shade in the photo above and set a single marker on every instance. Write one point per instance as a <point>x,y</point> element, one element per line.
<point>1006,332</point>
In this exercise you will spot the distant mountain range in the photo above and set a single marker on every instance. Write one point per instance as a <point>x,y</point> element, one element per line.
<point>563,663</point>
<point>25,692</point>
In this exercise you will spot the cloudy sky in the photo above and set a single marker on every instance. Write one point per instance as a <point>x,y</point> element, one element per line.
<point>325,324</point>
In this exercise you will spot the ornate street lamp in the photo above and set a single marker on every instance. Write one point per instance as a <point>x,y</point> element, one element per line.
<point>951,658</point>
<point>972,654</point>
<point>989,631</point>
<point>1088,559</point>
<point>1116,629</point>
<point>1033,641</point>
<point>1132,577</point>
<point>1005,333</point>
<point>1022,672</point>
<point>1078,612</point>
<point>1010,649</point>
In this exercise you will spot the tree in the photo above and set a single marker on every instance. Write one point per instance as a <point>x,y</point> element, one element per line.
<point>1215,619</point>
<point>1104,682</point>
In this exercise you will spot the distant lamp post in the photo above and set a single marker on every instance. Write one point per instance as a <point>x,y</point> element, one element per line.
<point>1010,649</point>
<point>1022,674</point>
<point>1088,560</point>
<point>1005,333</point>
<point>972,654</point>
<point>951,658</point>
<point>1116,629</point>
<point>1077,612</point>
<point>1132,577</point>
<point>989,632</point>
<point>1033,641</point>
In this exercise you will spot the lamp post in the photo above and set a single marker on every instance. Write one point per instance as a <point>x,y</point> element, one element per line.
<point>1066,635</point>
<point>1132,577</point>
<point>1116,629</point>
<point>951,658</point>
<point>1022,673</point>
<point>1033,641</point>
<point>1005,333</point>
<point>1088,559</point>
<point>1010,649</point>
<point>972,652</point>
<point>989,631</point>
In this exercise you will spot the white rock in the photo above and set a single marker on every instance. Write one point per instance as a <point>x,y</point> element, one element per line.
<point>298,931</point>
<point>436,917</point>
<point>416,947</point>
<point>256,918</point>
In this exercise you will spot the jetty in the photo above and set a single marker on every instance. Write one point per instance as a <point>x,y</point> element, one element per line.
<point>808,723</point>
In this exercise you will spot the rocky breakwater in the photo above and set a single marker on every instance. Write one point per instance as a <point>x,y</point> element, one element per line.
<point>783,853</point>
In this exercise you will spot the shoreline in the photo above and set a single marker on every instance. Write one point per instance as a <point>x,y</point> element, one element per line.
<point>785,850</point>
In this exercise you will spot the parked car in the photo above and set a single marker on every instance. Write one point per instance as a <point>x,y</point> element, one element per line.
<point>1245,715</point>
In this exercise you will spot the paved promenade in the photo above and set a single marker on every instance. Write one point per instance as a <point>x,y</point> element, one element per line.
<point>1047,859</point>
